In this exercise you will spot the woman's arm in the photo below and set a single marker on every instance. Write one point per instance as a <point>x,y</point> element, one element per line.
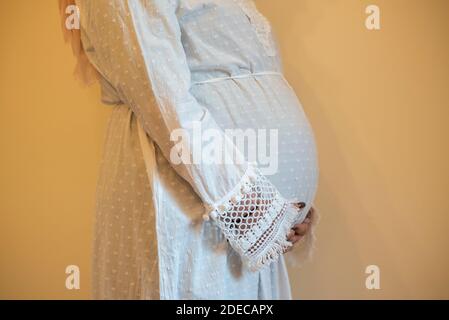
<point>139,51</point>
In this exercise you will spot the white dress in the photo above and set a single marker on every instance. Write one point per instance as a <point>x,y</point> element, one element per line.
<point>204,229</point>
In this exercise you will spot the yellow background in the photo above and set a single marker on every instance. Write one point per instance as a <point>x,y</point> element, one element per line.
<point>379,105</point>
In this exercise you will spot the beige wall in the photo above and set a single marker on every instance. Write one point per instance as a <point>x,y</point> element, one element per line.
<point>378,101</point>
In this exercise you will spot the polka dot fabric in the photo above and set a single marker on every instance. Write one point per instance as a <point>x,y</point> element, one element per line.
<point>166,64</point>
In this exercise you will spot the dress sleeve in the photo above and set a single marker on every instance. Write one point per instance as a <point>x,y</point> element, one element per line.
<point>138,49</point>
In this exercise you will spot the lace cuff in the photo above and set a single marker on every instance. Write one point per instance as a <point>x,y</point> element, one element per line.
<point>256,219</point>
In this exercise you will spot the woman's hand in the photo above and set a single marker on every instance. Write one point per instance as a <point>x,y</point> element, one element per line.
<point>300,230</point>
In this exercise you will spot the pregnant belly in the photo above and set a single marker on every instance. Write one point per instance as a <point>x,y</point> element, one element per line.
<point>266,115</point>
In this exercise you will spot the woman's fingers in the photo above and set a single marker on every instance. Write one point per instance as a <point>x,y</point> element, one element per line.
<point>299,205</point>
<point>308,218</point>
<point>300,230</point>
<point>310,213</point>
<point>296,238</point>
<point>293,237</point>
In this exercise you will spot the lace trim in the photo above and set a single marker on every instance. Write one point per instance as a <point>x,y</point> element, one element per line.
<point>255,219</point>
<point>260,23</point>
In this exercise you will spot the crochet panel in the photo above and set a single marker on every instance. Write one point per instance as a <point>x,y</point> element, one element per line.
<point>256,220</point>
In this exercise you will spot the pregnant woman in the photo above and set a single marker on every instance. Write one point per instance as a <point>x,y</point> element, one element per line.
<point>168,227</point>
